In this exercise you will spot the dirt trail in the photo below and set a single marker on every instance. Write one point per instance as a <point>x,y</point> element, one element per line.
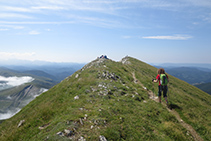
<point>185,125</point>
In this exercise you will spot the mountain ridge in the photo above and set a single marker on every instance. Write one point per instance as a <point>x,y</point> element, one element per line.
<point>101,99</point>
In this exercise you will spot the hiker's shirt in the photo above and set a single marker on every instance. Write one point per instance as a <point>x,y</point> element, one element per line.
<point>158,78</point>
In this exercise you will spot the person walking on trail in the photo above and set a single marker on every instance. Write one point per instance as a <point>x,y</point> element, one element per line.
<point>163,80</point>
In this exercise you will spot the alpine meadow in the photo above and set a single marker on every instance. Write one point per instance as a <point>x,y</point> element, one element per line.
<point>109,100</point>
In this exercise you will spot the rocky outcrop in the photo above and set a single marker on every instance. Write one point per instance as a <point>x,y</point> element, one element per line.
<point>125,60</point>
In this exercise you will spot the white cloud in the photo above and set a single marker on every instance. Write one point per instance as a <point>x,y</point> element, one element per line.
<point>48,29</point>
<point>16,81</point>
<point>9,114</point>
<point>15,55</point>
<point>49,8</point>
<point>202,3</point>
<point>175,37</point>
<point>3,29</point>
<point>12,27</point>
<point>207,17</point>
<point>13,15</point>
<point>126,37</point>
<point>34,32</point>
<point>14,9</point>
<point>35,23</point>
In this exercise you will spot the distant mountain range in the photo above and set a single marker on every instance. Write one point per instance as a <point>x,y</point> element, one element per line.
<point>21,84</point>
<point>204,67</point>
<point>191,75</point>
<point>205,87</point>
<point>198,75</point>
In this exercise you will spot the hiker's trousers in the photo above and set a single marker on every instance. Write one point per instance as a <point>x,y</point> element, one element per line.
<point>163,89</point>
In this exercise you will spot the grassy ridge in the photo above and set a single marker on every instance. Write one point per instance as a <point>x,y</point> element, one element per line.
<point>114,107</point>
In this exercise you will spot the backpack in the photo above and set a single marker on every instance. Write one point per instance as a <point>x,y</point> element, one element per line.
<point>163,79</point>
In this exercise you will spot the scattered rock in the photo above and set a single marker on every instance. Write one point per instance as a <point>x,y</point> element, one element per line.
<point>81,139</point>
<point>136,93</point>
<point>187,134</point>
<point>44,126</point>
<point>108,75</point>
<point>76,97</point>
<point>60,134</point>
<point>93,89</point>
<point>87,91</point>
<point>85,117</point>
<point>68,133</point>
<point>126,61</point>
<point>102,138</point>
<point>21,123</point>
<point>81,121</point>
<point>76,76</point>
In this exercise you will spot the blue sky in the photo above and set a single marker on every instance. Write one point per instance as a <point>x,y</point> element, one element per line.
<point>154,31</point>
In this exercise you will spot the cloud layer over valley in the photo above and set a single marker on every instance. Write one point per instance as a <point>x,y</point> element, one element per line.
<point>8,82</point>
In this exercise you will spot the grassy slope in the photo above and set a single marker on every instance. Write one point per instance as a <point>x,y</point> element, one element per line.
<point>119,115</point>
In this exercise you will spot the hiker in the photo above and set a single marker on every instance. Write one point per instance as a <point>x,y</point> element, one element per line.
<point>101,56</point>
<point>163,79</point>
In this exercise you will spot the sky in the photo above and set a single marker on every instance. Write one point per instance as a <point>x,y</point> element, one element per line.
<point>153,31</point>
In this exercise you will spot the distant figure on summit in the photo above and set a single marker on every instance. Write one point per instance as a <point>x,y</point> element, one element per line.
<point>163,80</point>
<point>104,56</point>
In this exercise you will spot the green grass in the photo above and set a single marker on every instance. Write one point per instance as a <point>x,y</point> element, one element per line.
<point>122,111</point>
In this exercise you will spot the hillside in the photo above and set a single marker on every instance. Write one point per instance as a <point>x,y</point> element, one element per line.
<point>113,100</point>
<point>8,72</point>
<point>205,87</point>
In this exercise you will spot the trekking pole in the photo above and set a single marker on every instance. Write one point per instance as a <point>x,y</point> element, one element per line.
<point>153,89</point>
<point>168,94</point>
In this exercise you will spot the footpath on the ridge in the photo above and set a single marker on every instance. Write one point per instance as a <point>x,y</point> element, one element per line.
<point>155,98</point>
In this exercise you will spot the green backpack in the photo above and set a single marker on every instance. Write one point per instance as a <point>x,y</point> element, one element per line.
<point>163,79</point>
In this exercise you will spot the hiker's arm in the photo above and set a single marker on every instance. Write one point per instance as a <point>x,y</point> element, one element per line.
<point>155,80</point>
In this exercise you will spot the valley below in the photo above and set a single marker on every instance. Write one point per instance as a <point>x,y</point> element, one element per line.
<point>20,85</point>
